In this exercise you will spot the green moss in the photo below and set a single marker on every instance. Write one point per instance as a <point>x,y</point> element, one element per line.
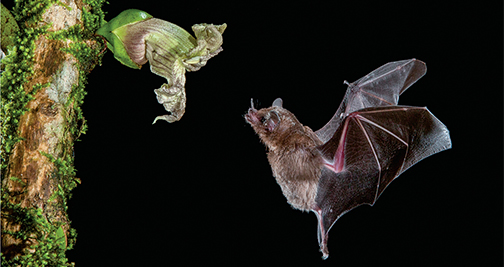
<point>50,247</point>
<point>63,5</point>
<point>94,18</point>
<point>64,167</point>
<point>30,11</point>
<point>18,68</point>
<point>15,179</point>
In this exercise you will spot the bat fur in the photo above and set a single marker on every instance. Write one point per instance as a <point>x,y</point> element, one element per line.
<point>292,153</point>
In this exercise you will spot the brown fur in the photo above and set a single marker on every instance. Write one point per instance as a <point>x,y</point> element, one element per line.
<point>292,153</point>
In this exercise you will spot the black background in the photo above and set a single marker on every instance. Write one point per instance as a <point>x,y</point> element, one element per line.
<point>201,191</point>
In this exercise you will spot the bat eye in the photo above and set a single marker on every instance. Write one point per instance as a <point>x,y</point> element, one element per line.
<point>263,119</point>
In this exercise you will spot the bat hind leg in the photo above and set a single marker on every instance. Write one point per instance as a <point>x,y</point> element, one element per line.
<point>321,233</point>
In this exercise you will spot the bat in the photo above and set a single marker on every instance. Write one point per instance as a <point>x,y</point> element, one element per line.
<point>368,143</point>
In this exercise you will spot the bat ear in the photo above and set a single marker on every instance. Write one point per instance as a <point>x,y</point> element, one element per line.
<point>278,102</point>
<point>274,119</point>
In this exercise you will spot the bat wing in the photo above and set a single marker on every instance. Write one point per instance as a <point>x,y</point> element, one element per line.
<point>371,148</point>
<point>381,87</point>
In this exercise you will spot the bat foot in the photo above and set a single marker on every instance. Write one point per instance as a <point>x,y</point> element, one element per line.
<point>322,235</point>
<point>325,251</point>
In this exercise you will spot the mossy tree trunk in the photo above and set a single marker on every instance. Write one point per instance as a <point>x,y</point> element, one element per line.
<point>42,93</point>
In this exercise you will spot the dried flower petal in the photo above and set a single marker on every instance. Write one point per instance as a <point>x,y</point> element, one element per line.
<point>136,38</point>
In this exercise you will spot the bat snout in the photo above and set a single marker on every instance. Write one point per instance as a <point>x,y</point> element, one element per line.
<point>251,116</point>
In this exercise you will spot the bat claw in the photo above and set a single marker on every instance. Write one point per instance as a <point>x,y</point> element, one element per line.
<point>325,251</point>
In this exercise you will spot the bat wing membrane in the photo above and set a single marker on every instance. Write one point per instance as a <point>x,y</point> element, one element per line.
<point>373,146</point>
<point>381,87</point>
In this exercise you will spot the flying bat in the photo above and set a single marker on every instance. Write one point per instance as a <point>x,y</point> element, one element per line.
<point>368,143</point>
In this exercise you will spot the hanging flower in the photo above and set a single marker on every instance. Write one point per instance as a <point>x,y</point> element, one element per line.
<point>135,37</point>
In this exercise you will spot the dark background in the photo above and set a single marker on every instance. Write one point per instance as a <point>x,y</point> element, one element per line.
<point>201,191</point>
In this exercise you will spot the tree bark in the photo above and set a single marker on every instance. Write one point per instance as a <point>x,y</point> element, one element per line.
<point>42,90</point>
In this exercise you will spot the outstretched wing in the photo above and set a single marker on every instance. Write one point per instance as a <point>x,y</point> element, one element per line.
<point>381,87</point>
<point>370,149</point>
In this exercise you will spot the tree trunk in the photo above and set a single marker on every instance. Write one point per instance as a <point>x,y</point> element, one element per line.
<point>42,92</point>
